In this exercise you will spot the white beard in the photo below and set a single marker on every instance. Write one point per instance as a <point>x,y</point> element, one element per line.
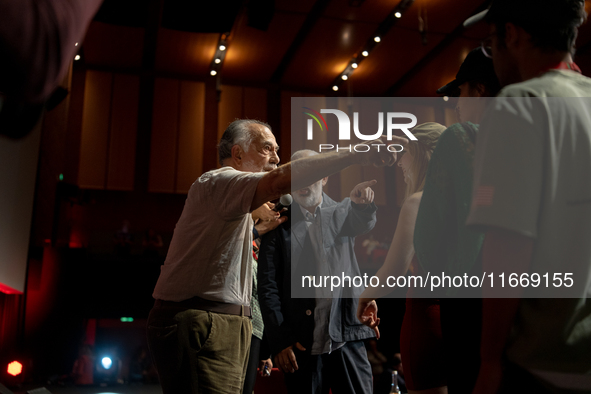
<point>312,199</point>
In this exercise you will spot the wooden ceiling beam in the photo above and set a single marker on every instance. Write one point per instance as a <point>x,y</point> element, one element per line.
<point>436,51</point>
<point>313,16</point>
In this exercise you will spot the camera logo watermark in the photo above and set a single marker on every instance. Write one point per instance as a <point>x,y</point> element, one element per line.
<point>345,129</point>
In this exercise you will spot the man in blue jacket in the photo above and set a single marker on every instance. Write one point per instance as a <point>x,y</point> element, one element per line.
<point>317,341</point>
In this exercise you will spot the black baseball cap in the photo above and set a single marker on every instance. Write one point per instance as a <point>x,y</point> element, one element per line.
<point>476,66</point>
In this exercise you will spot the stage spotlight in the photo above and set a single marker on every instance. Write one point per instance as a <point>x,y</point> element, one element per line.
<point>107,363</point>
<point>13,374</point>
<point>108,368</point>
<point>15,368</point>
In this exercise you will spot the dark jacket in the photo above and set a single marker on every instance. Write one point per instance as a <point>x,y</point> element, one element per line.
<point>290,319</point>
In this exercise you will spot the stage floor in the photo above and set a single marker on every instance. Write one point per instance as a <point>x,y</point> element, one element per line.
<point>124,389</point>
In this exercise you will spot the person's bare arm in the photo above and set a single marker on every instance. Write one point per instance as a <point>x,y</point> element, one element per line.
<point>305,171</point>
<point>401,250</point>
<point>397,262</point>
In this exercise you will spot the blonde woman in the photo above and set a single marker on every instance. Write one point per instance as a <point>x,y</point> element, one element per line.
<point>420,338</point>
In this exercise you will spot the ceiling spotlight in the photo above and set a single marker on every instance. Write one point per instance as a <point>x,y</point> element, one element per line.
<point>354,65</point>
<point>222,47</point>
<point>398,15</point>
<point>377,39</point>
<point>76,44</point>
<point>445,98</point>
<point>344,77</point>
<point>335,88</point>
<point>77,57</point>
<point>213,72</point>
<point>365,53</point>
<point>217,60</point>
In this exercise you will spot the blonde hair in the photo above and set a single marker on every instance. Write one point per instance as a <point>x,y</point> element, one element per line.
<point>427,136</point>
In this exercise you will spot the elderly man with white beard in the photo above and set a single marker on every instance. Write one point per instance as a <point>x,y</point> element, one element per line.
<point>317,341</point>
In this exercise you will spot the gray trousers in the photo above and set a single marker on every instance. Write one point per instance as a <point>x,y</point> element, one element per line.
<point>344,371</point>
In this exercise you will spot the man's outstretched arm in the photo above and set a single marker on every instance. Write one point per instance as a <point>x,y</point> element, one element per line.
<point>305,171</point>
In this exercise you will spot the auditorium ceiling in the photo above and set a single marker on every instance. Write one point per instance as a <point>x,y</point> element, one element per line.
<point>302,45</point>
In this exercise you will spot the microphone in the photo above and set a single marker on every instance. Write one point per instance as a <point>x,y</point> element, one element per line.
<point>284,202</point>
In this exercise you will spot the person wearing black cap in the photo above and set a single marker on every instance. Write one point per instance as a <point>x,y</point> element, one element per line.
<point>442,241</point>
<point>476,69</point>
<point>531,198</point>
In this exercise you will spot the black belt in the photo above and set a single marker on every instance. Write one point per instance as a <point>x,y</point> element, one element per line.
<point>207,305</point>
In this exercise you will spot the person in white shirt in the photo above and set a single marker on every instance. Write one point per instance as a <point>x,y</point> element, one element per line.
<point>532,198</point>
<point>199,330</point>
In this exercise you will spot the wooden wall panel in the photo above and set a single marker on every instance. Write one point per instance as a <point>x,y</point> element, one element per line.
<point>255,104</point>
<point>95,130</point>
<point>285,128</point>
<point>163,151</point>
<point>230,107</point>
<point>124,115</point>
<point>191,127</point>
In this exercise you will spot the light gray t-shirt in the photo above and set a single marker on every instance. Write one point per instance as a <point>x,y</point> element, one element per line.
<point>533,177</point>
<point>210,254</point>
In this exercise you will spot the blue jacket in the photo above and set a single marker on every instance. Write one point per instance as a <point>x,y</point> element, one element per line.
<point>289,320</point>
